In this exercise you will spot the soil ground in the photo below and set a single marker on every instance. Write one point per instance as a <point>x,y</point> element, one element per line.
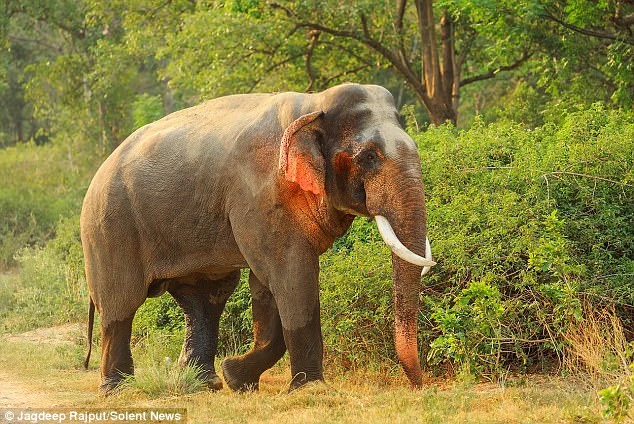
<point>42,369</point>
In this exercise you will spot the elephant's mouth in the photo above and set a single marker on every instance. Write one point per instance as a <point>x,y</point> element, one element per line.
<point>399,249</point>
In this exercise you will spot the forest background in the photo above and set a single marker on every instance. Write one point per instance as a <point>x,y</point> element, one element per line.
<point>522,111</point>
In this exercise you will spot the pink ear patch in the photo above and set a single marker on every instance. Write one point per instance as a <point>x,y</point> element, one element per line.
<point>300,160</point>
<point>299,171</point>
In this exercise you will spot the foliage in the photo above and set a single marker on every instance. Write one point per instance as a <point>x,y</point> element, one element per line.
<point>236,323</point>
<point>39,231</point>
<point>527,223</point>
<point>542,210</point>
<point>41,184</point>
<point>159,314</point>
<point>591,46</point>
<point>616,401</point>
<point>471,329</point>
<point>356,297</point>
<point>316,45</point>
<point>78,68</point>
<point>51,289</point>
<point>147,109</point>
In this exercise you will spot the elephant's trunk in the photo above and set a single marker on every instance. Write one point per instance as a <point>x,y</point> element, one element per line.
<point>408,220</point>
<point>406,278</point>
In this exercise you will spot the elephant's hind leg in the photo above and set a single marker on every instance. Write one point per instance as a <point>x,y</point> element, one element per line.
<point>203,301</point>
<point>116,356</point>
<point>242,373</point>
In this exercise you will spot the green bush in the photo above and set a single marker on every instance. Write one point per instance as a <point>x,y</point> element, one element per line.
<point>471,326</point>
<point>51,288</point>
<point>147,109</point>
<point>356,299</point>
<point>547,212</point>
<point>616,401</point>
<point>40,184</point>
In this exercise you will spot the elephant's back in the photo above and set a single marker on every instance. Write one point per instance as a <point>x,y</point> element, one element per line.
<point>190,158</point>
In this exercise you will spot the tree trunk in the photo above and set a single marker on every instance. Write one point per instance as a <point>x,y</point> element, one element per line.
<point>439,88</point>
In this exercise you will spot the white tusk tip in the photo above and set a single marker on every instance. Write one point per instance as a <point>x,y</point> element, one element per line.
<point>388,235</point>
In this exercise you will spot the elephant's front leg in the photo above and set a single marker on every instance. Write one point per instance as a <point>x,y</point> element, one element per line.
<point>300,316</point>
<point>203,304</point>
<point>243,372</point>
<point>285,317</point>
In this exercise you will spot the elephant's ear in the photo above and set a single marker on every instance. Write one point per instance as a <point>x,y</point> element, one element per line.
<point>301,160</point>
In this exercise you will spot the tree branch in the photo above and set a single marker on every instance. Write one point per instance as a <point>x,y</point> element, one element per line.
<point>587,31</point>
<point>286,10</point>
<point>448,62</point>
<point>314,38</point>
<point>625,21</point>
<point>402,67</point>
<point>270,69</point>
<point>429,51</point>
<point>40,42</point>
<point>594,177</point>
<point>400,14</point>
<point>352,71</point>
<point>493,72</point>
<point>348,51</point>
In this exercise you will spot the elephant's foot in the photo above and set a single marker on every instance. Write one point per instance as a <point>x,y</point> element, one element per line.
<point>313,385</point>
<point>302,379</point>
<point>237,378</point>
<point>207,372</point>
<point>111,385</point>
<point>212,380</point>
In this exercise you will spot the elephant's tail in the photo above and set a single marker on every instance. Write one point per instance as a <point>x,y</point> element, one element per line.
<point>91,321</point>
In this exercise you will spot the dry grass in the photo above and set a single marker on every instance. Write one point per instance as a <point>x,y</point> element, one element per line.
<point>345,399</point>
<point>598,347</point>
<point>599,350</point>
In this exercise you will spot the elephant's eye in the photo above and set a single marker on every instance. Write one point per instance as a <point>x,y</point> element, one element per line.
<point>369,159</point>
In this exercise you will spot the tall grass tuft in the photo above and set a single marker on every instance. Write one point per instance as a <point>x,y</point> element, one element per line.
<point>598,348</point>
<point>157,372</point>
<point>166,379</point>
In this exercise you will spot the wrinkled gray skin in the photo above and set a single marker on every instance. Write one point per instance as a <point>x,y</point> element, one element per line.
<point>259,181</point>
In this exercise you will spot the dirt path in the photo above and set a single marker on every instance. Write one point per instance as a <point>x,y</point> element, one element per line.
<point>14,394</point>
<point>59,335</point>
<point>14,391</point>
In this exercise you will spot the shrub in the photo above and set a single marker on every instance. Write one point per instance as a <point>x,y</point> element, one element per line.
<point>616,401</point>
<point>356,300</point>
<point>157,370</point>
<point>544,211</point>
<point>598,350</point>
<point>40,184</point>
<point>51,288</point>
<point>147,109</point>
<point>471,329</point>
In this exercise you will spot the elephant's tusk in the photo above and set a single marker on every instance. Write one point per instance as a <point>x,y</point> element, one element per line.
<point>389,237</point>
<point>427,256</point>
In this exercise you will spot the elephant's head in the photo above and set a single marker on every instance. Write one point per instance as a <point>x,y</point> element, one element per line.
<point>351,150</point>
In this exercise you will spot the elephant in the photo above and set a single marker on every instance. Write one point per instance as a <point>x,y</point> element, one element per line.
<point>260,181</point>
